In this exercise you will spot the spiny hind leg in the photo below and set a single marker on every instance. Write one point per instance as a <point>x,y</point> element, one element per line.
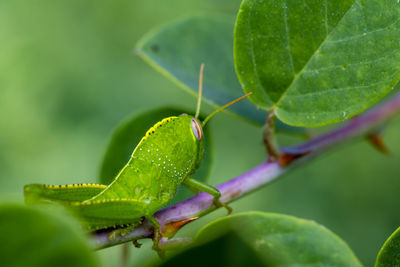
<point>197,185</point>
<point>123,231</point>
<point>157,235</point>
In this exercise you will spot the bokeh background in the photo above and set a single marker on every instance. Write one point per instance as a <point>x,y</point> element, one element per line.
<point>68,76</point>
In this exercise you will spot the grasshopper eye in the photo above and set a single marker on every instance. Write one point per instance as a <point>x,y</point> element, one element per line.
<point>197,129</point>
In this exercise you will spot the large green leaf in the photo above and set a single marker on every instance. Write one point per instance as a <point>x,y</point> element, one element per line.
<point>389,255</point>
<point>41,238</point>
<point>273,240</point>
<point>317,61</point>
<point>129,133</point>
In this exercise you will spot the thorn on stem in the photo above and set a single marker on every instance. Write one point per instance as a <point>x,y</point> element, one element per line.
<point>376,140</point>
<point>285,159</point>
<point>169,229</point>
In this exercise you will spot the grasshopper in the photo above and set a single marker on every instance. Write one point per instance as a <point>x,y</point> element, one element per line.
<point>165,157</point>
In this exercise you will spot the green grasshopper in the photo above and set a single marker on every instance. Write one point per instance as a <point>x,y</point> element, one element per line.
<point>166,156</point>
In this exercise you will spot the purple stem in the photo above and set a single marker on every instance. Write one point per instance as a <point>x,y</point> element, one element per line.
<point>253,179</point>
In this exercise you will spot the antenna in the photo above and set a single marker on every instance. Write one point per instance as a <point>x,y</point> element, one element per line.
<point>200,91</point>
<point>223,107</point>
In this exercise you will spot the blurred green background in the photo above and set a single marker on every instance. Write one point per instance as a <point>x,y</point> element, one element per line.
<point>68,76</point>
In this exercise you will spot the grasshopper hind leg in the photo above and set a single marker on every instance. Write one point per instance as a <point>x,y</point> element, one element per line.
<point>126,229</point>
<point>157,236</point>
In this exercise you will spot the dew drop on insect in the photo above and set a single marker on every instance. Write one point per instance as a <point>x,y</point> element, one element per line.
<point>140,149</point>
<point>159,158</point>
<point>148,150</point>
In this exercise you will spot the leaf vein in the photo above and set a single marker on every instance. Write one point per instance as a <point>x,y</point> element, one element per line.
<point>364,34</point>
<point>326,18</point>
<point>253,59</point>
<point>288,37</point>
<point>351,64</point>
<point>347,88</point>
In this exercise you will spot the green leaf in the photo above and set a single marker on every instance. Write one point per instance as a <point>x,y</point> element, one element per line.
<point>128,134</point>
<point>41,238</point>
<point>178,49</point>
<point>278,240</point>
<point>389,255</point>
<point>317,62</point>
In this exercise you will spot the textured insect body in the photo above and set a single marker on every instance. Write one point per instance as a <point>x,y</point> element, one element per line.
<point>170,151</point>
<point>166,156</point>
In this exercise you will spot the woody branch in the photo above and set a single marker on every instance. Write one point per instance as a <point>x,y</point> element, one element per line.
<point>172,218</point>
